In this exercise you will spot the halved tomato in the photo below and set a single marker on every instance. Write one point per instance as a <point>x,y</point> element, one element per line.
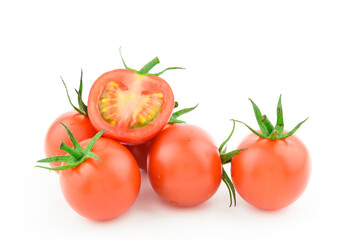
<point>133,107</point>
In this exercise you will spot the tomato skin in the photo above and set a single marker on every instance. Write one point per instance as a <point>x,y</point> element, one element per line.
<point>121,133</point>
<point>78,124</point>
<point>271,174</point>
<point>102,190</point>
<point>140,151</point>
<point>184,165</point>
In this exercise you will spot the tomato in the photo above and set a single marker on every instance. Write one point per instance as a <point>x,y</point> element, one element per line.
<point>184,165</point>
<point>102,190</point>
<point>271,174</point>
<point>140,151</point>
<point>79,125</point>
<point>274,169</point>
<point>133,106</point>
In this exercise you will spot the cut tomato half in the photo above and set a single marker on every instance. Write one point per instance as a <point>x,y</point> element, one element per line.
<point>133,108</point>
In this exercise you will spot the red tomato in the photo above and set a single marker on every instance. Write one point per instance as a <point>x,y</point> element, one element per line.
<point>271,174</point>
<point>140,151</point>
<point>133,108</point>
<point>102,190</point>
<point>184,165</point>
<point>79,125</point>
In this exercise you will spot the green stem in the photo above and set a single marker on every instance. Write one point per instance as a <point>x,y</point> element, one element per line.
<point>170,68</point>
<point>77,155</point>
<point>229,137</point>
<point>280,122</point>
<point>145,69</point>
<point>273,135</point>
<point>82,108</point>
<point>230,187</point>
<point>268,130</point>
<point>267,123</point>
<point>175,115</point>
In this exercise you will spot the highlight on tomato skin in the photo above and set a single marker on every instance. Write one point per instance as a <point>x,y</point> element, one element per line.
<point>132,107</point>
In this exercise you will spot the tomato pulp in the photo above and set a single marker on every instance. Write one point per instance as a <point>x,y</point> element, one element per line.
<point>133,108</point>
<point>184,165</point>
<point>271,174</point>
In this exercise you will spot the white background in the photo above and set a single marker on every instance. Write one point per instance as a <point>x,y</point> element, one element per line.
<point>232,50</point>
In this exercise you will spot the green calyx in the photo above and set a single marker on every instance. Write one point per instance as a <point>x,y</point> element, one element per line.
<point>145,69</point>
<point>76,156</point>
<point>269,131</point>
<point>227,158</point>
<point>175,115</point>
<point>82,108</point>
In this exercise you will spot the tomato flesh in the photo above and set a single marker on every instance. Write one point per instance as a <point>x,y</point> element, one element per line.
<point>133,108</point>
<point>129,106</point>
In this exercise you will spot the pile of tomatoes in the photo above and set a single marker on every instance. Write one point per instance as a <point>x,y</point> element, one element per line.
<point>131,123</point>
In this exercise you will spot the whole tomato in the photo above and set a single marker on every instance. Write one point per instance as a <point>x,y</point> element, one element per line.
<point>185,166</point>
<point>101,190</point>
<point>271,174</point>
<point>274,169</point>
<point>99,179</point>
